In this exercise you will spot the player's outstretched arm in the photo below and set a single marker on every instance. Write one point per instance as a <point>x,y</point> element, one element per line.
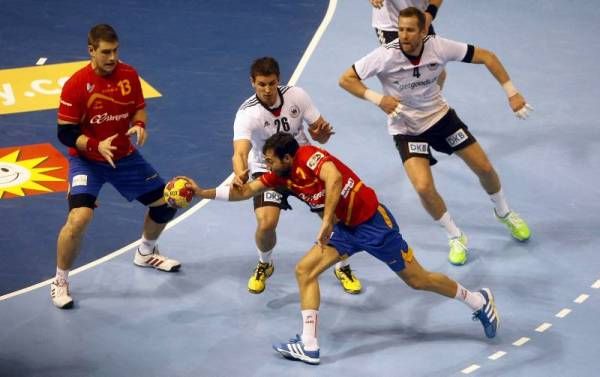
<point>241,150</point>
<point>320,130</point>
<point>352,83</point>
<point>517,102</point>
<point>226,192</point>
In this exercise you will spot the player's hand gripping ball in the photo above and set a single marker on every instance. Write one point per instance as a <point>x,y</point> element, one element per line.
<point>177,193</point>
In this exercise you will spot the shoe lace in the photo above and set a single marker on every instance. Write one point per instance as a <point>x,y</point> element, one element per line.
<point>261,270</point>
<point>346,270</point>
<point>514,219</point>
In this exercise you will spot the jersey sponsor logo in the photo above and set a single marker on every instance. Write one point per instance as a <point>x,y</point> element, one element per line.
<point>294,111</point>
<point>106,117</point>
<point>272,197</point>
<point>421,148</point>
<point>314,200</point>
<point>416,84</point>
<point>347,188</point>
<point>79,180</point>
<point>457,138</point>
<point>313,161</point>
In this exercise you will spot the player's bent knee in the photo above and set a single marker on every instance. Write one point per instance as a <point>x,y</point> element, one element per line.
<point>78,219</point>
<point>162,214</point>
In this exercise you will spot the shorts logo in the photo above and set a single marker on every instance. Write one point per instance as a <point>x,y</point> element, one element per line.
<point>79,180</point>
<point>457,138</point>
<point>421,148</point>
<point>272,197</point>
<point>313,161</point>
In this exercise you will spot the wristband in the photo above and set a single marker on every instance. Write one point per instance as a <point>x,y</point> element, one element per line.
<point>222,193</point>
<point>509,88</point>
<point>432,10</point>
<point>373,97</point>
<point>139,123</point>
<point>92,145</point>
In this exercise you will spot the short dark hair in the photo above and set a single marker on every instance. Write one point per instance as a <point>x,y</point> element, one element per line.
<point>102,32</point>
<point>413,12</point>
<point>281,143</point>
<point>264,66</point>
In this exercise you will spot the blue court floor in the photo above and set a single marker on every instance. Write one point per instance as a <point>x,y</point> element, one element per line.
<point>202,321</point>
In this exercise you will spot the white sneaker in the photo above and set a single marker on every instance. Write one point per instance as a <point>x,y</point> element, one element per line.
<point>60,295</point>
<point>155,260</point>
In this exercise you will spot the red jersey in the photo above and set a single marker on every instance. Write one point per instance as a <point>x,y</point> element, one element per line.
<point>102,106</point>
<point>358,202</point>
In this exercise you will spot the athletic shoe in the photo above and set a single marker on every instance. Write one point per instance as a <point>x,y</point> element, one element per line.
<point>488,314</point>
<point>458,250</point>
<point>155,260</point>
<point>60,295</point>
<point>516,225</point>
<point>349,282</point>
<point>294,350</point>
<point>257,282</point>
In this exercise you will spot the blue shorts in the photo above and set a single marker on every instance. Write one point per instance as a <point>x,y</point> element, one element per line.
<point>378,236</point>
<point>132,177</point>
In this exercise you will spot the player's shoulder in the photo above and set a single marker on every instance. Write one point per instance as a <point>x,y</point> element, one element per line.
<point>391,46</point>
<point>125,68</point>
<point>310,155</point>
<point>81,76</point>
<point>249,104</point>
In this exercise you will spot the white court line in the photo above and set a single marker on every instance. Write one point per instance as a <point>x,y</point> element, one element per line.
<point>596,285</point>
<point>41,61</point>
<point>470,369</point>
<point>295,76</point>
<point>581,298</point>
<point>543,327</point>
<point>496,355</point>
<point>521,341</point>
<point>563,313</point>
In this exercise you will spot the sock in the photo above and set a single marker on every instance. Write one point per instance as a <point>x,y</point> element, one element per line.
<point>342,263</point>
<point>501,206</point>
<point>146,246</point>
<point>449,226</point>
<point>61,276</point>
<point>310,321</point>
<point>264,256</point>
<point>474,300</point>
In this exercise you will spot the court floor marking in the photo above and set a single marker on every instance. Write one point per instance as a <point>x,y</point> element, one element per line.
<point>540,329</point>
<point>295,76</point>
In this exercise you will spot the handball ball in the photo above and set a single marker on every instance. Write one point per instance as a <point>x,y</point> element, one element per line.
<point>177,194</point>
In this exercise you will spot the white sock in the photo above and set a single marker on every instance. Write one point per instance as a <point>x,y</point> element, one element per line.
<point>449,226</point>
<point>501,206</point>
<point>474,300</point>
<point>342,263</point>
<point>264,256</point>
<point>61,276</point>
<point>146,246</point>
<point>310,321</point>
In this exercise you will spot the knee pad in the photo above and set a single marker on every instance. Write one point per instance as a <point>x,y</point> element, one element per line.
<point>162,214</point>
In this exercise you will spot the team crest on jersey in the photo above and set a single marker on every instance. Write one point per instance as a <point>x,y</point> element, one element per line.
<point>313,161</point>
<point>89,87</point>
<point>432,66</point>
<point>294,111</point>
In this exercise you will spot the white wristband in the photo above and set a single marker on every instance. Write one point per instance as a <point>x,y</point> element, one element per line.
<point>373,96</point>
<point>509,88</point>
<point>222,193</point>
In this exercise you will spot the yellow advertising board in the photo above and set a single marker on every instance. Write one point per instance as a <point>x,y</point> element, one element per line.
<point>38,88</point>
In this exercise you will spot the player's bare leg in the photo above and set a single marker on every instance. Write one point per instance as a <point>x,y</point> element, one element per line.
<point>478,162</point>
<point>67,249</point>
<point>308,269</point>
<point>419,173</point>
<point>481,302</point>
<point>267,218</point>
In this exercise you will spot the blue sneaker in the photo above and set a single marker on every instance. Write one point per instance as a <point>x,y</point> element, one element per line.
<point>488,315</point>
<point>294,350</point>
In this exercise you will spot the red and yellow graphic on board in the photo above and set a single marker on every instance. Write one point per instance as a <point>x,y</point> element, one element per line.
<point>38,88</point>
<point>32,170</point>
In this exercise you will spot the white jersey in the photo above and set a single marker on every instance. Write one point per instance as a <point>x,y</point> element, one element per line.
<point>414,85</point>
<point>256,123</point>
<point>386,17</point>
